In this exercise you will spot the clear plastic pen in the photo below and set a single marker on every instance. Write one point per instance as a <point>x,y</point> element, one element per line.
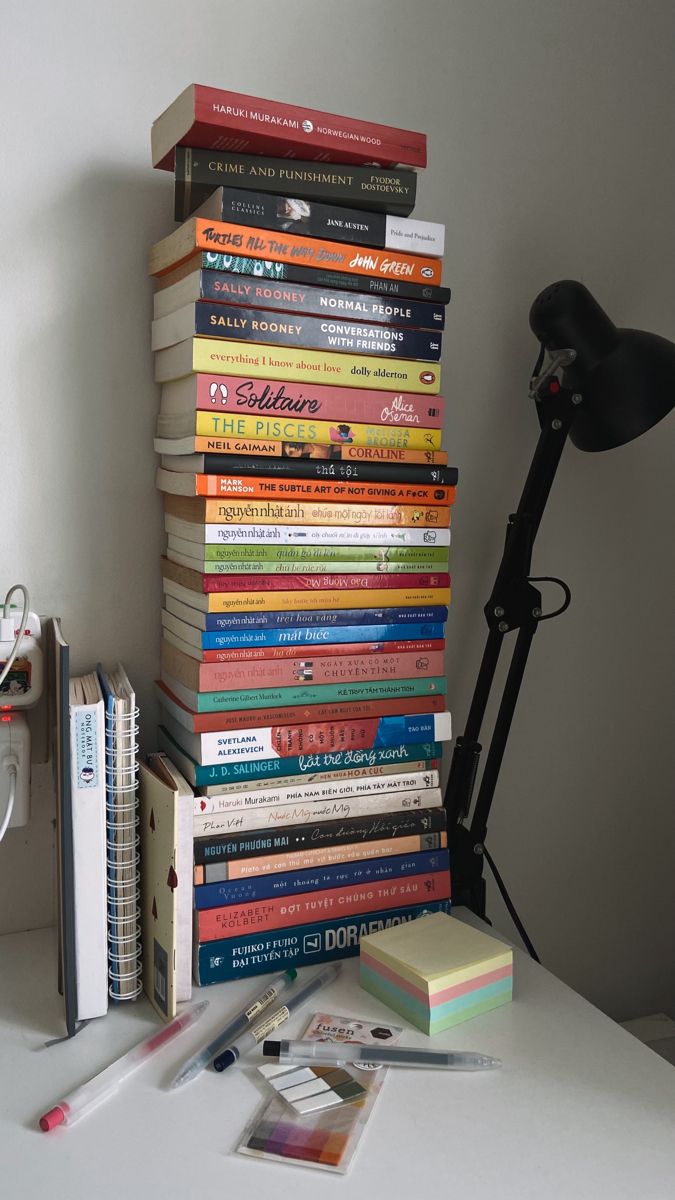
<point>341,1053</point>
<point>246,1041</point>
<point>86,1097</point>
<point>239,1024</point>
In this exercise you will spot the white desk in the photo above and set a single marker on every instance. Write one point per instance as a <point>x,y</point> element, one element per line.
<point>579,1111</point>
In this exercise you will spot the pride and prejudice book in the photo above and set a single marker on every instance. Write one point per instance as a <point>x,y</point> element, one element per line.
<point>290,214</point>
<point>197,234</point>
<point>235,289</point>
<point>280,272</point>
<point>277,328</point>
<point>215,119</point>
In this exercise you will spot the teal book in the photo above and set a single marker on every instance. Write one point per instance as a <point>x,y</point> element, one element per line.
<point>306,764</point>
<point>380,689</point>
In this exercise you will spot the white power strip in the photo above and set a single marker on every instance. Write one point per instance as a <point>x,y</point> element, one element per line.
<point>14,752</point>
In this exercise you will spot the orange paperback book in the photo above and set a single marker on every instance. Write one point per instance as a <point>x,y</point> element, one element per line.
<point>180,483</point>
<point>199,234</point>
<point>200,510</point>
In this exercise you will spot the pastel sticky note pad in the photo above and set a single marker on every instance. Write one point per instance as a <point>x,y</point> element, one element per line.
<point>436,971</point>
<point>269,1070</point>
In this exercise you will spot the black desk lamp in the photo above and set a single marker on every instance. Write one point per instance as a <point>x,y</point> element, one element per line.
<point>603,386</point>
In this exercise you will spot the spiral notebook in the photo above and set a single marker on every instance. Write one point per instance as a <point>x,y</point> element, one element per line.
<point>122,835</point>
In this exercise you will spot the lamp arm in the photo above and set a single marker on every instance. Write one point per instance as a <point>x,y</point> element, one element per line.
<point>514,604</point>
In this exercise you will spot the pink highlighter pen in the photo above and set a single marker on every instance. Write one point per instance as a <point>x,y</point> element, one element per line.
<point>96,1090</point>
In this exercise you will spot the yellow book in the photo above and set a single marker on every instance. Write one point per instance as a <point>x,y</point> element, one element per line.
<point>214,356</point>
<point>226,602</point>
<point>326,432</point>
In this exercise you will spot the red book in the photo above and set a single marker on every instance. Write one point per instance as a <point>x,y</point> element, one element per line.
<point>303,670</point>
<point>257,653</point>
<point>199,581</point>
<point>212,722</point>
<point>233,920</point>
<point>212,119</point>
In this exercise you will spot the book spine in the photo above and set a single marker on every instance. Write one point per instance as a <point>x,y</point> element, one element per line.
<point>282,214</point>
<point>382,772</point>
<point>226,287</point>
<point>330,469</point>
<point>301,452</point>
<point>231,921</point>
<point>323,810</point>
<point>291,364</point>
<point>262,487</point>
<point>322,790</point>
<point>233,699</point>
<point>316,637</point>
<point>207,566</point>
<point>383,536</point>
<point>225,120</point>
<point>326,737</point>
<point>200,509</point>
<point>270,327</point>
<point>303,945</point>
<point>211,677</point>
<point>198,174</point>
<point>319,856</point>
<point>204,776</point>
<point>233,719</point>
<point>228,393</point>
<point>324,832</point>
<point>272,653</point>
<point>289,247</point>
<point>262,601</point>
<point>396,615</point>
<point>290,883</point>
<point>263,556</point>
<point>200,581</point>
<point>237,264</point>
<point>215,424</point>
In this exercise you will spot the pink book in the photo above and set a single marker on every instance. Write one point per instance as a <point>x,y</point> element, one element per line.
<point>249,396</point>
<point>235,919</point>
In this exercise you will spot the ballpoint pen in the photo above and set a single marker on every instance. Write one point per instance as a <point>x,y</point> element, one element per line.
<point>247,1041</point>
<point>86,1097</point>
<point>243,1020</point>
<point>343,1053</point>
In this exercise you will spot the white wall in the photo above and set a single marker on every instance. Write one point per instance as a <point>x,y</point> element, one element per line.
<point>551,132</point>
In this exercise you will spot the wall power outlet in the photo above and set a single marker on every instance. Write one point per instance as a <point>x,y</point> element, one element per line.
<point>14,749</point>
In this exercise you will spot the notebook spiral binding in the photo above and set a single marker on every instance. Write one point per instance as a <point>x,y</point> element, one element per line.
<point>123,851</point>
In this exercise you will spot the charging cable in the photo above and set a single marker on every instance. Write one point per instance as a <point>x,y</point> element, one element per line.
<point>6,628</point>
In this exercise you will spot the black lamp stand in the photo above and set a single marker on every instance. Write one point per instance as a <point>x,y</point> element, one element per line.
<point>514,604</point>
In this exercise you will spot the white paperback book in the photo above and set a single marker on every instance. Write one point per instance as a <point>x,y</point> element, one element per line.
<point>87,774</point>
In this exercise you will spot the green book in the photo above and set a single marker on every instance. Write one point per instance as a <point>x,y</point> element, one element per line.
<point>224,701</point>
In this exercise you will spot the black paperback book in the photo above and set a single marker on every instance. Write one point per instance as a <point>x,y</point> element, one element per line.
<point>376,189</point>
<point>321,833</point>
<point>329,469</point>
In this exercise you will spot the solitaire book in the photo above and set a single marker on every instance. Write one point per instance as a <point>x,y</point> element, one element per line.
<point>214,119</point>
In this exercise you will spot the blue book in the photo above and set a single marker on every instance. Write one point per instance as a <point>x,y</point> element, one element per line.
<point>344,616</point>
<point>317,635</point>
<point>306,764</point>
<point>299,946</point>
<point>352,874</point>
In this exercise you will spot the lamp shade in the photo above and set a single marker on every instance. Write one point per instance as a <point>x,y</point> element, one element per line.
<point>626,377</point>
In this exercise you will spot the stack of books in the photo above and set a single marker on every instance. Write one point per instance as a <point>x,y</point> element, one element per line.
<point>298,325</point>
